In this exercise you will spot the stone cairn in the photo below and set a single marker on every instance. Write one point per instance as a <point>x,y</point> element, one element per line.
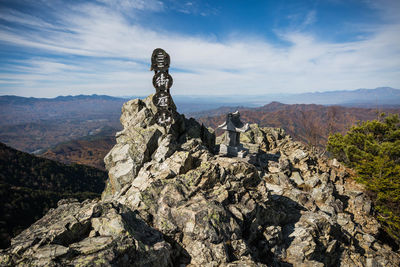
<point>162,82</point>
<point>233,127</point>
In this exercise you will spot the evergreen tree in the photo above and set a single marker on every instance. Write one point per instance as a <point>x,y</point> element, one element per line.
<point>372,149</point>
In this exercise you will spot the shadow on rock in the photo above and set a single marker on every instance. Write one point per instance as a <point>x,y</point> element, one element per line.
<point>268,231</point>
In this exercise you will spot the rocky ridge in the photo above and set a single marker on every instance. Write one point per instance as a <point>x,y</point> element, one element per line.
<point>170,201</point>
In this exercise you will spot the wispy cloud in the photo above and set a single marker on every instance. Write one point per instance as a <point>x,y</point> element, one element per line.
<point>192,7</point>
<point>388,8</point>
<point>27,20</point>
<point>129,5</point>
<point>100,51</point>
<point>310,18</point>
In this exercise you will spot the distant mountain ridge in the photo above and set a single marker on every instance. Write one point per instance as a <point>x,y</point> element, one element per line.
<point>17,110</point>
<point>368,98</point>
<point>379,96</point>
<point>305,122</point>
<point>12,99</point>
<point>34,124</point>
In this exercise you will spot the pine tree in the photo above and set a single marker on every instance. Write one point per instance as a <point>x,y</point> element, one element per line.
<point>372,149</point>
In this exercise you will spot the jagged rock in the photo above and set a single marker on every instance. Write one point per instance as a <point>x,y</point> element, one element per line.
<point>298,180</point>
<point>171,201</point>
<point>87,234</point>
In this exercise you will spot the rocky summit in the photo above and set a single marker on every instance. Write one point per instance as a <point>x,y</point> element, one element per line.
<point>170,200</point>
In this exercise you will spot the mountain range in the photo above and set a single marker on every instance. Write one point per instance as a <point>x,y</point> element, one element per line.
<point>370,98</point>
<point>15,109</point>
<point>309,123</point>
<point>306,122</point>
<point>36,125</point>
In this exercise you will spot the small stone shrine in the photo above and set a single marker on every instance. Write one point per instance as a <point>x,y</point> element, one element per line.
<point>162,82</point>
<point>233,127</point>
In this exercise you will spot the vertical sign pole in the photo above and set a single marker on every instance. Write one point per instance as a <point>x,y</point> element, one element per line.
<point>162,82</point>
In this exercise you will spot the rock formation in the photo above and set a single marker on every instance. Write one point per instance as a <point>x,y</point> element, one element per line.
<point>170,201</point>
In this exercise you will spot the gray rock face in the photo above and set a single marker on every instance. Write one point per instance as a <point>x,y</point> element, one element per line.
<point>91,233</point>
<point>171,201</point>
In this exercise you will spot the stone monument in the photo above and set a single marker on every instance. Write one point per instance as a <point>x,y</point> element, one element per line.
<point>162,82</point>
<point>231,143</point>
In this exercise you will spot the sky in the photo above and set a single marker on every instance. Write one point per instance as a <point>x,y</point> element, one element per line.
<point>217,47</point>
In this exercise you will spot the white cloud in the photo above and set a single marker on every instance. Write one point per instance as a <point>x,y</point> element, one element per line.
<point>311,18</point>
<point>129,5</point>
<point>113,57</point>
<point>24,19</point>
<point>389,8</point>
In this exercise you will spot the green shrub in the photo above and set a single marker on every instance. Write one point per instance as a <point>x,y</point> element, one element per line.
<point>372,149</point>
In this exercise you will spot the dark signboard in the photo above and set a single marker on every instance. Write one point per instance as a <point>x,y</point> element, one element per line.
<point>162,99</point>
<point>162,82</point>
<point>160,60</point>
<point>163,117</point>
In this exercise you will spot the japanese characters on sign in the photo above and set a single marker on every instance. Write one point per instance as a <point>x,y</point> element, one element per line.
<point>162,99</point>
<point>162,82</point>
<point>163,117</point>
<point>160,60</point>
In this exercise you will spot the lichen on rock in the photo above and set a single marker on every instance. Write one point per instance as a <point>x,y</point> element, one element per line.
<point>170,201</point>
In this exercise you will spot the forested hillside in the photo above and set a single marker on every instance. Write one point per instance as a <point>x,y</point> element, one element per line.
<point>311,123</point>
<point>89,150</point>
<point>29,186</point>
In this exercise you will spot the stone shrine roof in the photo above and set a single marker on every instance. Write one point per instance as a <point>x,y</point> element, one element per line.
<point>233,123</point>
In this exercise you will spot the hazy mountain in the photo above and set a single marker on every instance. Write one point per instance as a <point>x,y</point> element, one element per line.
<point>35,124</point>
<point>12,99</point>
<point>370,98</point>
<point>382,96</point>
<point>17,110</point>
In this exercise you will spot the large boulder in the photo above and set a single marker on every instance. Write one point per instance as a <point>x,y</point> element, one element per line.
<point>91,233</point>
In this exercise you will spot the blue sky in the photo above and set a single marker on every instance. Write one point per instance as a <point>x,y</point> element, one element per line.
<point>242,47</point>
